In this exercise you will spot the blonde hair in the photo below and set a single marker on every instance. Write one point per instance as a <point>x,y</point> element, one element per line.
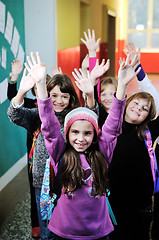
<point>108,80</point>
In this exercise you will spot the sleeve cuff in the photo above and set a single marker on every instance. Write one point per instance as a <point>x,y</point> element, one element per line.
<point>141,75</point>
<point>18,105</point>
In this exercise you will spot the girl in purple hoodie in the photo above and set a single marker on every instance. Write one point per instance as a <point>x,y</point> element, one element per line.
<point>81,211</point>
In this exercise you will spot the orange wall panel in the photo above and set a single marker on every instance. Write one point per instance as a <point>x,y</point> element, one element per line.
<point>68,59</point>
<point>150,62</point>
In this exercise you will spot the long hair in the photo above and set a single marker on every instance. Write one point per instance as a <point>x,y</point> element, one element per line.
<point>151,115</point>
<point>72,172</point>
<point>66,86</point>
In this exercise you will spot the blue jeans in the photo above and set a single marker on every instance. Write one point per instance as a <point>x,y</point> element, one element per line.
<point>45,233</point>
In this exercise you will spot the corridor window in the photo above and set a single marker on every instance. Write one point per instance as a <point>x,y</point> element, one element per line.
<point>143,24</point>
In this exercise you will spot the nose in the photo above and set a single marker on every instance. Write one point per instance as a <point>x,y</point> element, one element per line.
<point>59,99</point>
<point>139,107</point>
<point>80,137</point>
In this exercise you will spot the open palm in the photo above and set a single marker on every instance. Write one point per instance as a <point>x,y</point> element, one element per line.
<point>36,68</point>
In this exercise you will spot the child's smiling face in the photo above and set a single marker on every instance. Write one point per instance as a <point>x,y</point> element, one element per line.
<point>60,100</point>
<point>137,111</point>
<point>81,135</point>
<point>107,95</point>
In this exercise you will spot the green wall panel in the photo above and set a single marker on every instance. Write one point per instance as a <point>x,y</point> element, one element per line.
<point>12,137</point>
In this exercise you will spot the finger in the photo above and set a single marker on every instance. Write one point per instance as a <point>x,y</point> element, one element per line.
<point>98,40</point>
<point>75,76</point>
<point>24,72</point>
<point>60,70</point>
<point>97,62</point>
<point>33,58</point>
<point>107,65</point>
<point>77,73</point>
<point>128,59</point>
<point>83,41</point>
<point>88,74</point>
<point>27,67</point>
<point>38,58</point>
<point>93,34</point>
<point>139,51</point>
<point>129,47</point>
<point>85,34</point>
<point>103,62</point>
<point>82,73</point>
<point>125,52</point>
<point>89,34</point>
<point>29,62</point>
<point>134,60</point>
<point>78,85</point>
<point>133,46</point>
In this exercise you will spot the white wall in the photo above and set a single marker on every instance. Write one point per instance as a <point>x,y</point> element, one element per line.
<point>40,30</point>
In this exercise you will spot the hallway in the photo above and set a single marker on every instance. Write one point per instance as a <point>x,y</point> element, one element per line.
<point>15,198</point>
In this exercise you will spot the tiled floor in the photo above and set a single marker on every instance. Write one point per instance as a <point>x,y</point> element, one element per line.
<point>15,221</point>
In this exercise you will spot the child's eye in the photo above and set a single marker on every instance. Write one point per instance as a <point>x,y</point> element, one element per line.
<point>145,109</point>
<point>66,97</point>
<point>74,131</point>
<point>54,95</point>
<point>88,133</point>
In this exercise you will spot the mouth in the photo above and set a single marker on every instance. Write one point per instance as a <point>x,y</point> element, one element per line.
<point>58,106</point>
<point>80,145</point>
<point>107,102</point>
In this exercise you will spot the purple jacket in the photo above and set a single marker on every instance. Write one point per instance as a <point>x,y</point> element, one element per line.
<point>81,216</point>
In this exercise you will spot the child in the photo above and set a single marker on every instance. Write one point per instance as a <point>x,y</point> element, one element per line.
<point>130,175</point>
<point>146,85</point>
<point>107,85</point>
<point>64,99</point>
<point>81,211</point>
<point>29,103</point>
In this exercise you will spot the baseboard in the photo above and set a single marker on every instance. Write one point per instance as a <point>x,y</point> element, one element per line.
<point>13,171</point>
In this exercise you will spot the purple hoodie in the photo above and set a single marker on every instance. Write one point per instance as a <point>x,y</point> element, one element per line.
<point>81,215</point>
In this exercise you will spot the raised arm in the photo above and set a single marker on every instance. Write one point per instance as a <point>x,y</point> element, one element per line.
<point>90,42</point>
<point>17,67</point>
<point>26,84</point>
<point>143,81</point>
<point>50,127</point>
<point>126,74</point>
<point>55,70</point>
<point>84,84</point>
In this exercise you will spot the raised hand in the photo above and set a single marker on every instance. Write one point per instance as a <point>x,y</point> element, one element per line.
<point>99,70</point>
<point>126,71</point>
<point>55,70</point>
<point>36,68</point>
<point>17,67</point>
<point>90,42</point>
<point>83,82</point>
<point>26,83</point>
<point>126,74</point>
<point>131,49</point>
